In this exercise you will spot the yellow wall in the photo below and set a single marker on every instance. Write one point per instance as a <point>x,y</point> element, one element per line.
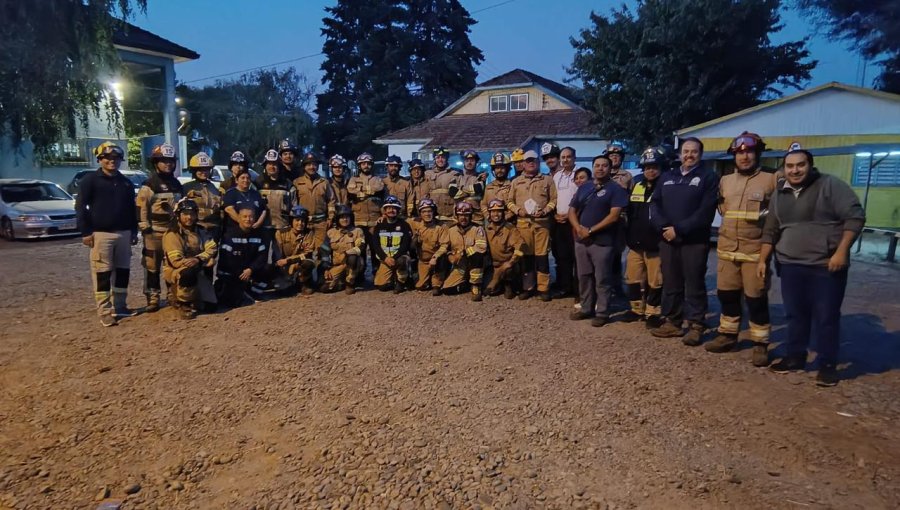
<point>883,208</point>
<point>537,101</point>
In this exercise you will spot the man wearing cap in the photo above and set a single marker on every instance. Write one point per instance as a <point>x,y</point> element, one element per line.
<point>744,204</point>
<point>812,222</point>
<point>366,196</point>
<point>287,154</point>
<point>108,223</point>
<point>593,213</point>
<point>421,187</point>
<point>277,192</point>
<point>398,186</point>
<point>314,193</point>
<point>339,178</point>
<point>683,206</point>
<point>500,187</point>
<point>206,195</point>
<point>156,202</point>
<point>562,242</point>
<point>469,186</point>
<point>442,177</point>
<point>517,158</point>
<point>533,200</point>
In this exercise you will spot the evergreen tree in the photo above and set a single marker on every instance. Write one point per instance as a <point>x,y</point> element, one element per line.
<point>673,64</point>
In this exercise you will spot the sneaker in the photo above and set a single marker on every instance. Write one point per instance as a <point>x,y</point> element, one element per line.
<point>787,365</point>
<point>694,335</point>
<point>760,356</point>
<point>525,294</point>
<point>578,315</point>
<point>108,320</point>
<point>599,321</point>
<point>509,292</point>
<point>654,321</point>
<point>546,297</point>
<point>630,316</point>
<point>827,376</point>
<point>667,330</point>
<point>721,343</point>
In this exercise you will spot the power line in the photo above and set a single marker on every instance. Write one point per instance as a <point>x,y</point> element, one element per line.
<point>254,68</point>
<point>492,6</point>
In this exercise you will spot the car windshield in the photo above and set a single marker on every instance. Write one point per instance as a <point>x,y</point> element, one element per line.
<point>137,179</point>
<point>32,192</point>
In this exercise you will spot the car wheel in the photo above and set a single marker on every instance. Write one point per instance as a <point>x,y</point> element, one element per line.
<point>6,230</point>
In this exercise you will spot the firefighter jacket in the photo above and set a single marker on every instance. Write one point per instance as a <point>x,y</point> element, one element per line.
<point>623,178</point>
<point>641,233</point>
<point>534,194</point>
<point>499,190</point>
<point>315,195</point>
<point>341,242</point>
<point>156,202</point>
<point>429,239</point>
<point>279,196</point>
<point>295,247</point>
<point>402,189</point>
<point>441,180</point>
<point>467,241</point>
<point>505,243</point>
<point>209,199</point>
<point>392,239</point>
<point>366,193</point>
<point>743,204</point>
<point>420,189</point>
<point>180,243</point>
<point>339,187</point>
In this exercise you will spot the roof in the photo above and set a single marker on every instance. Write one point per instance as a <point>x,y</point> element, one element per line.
<point>828,86</point>
<point>518,78</point>
<point>133,37</point>
<point>494,131</point>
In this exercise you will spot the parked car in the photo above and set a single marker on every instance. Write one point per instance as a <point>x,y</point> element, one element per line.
<point>31,208</point>
<point>218,174</point>
<point>135,176</point>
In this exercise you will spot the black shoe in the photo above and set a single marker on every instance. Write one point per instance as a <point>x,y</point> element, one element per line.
<point>599,321</point>
<point>654,321</point>
<point>787,365</point>
<point>827,376</point>
<point>436,291</point>
<point>509,292</point>
<point>630,316</point>
<point>525,294</point>
<point>398,288</point>
<point>578,315</point>
<point>349,289</point>
<point>545,297</point>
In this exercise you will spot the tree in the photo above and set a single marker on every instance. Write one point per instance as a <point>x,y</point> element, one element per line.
<point>53,60</point>
<point>674,64</point>
<point>251,114</point>
<point>389,64</point>
<point>872,25</point>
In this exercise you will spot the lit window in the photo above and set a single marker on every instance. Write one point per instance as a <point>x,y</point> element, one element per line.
<point>885,173</point>
<point>498,104</point>
<point>518,102</point>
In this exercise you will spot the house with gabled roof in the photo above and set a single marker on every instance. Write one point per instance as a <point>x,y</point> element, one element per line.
<point>518,109</point>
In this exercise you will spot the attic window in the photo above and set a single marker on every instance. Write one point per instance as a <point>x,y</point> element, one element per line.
<point>518,102</point>
<point>498,104</point>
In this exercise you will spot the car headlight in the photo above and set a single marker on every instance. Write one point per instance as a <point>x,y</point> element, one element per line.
<point>25,217</point>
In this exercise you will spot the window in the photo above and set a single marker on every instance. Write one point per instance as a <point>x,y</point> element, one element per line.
<point>498,104</point>
<point>885,173</point>
<point>518,102</point>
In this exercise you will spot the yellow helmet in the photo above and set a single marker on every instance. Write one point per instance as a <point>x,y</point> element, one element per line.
<point>200,160</point>
<point>106,149</point>
<point>518,156</point>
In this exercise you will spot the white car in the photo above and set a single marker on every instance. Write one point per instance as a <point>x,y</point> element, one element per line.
<point>217,175</point>
<point>30,208</point>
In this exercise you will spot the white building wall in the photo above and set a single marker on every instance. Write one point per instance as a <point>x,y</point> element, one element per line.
<point>404,150</point>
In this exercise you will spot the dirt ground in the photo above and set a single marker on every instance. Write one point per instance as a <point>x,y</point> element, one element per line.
<point>410,401</point>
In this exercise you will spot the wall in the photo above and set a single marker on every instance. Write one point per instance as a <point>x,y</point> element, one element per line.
<point>538,100</point>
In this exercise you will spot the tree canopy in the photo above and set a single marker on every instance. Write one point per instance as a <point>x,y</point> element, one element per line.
<point>53,61</point>
<point>669,65</point>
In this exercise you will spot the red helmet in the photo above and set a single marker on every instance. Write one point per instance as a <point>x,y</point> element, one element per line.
<point>747,141</point>
<point>464,208</point>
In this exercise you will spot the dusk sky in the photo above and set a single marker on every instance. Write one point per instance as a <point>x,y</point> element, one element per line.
<point>236,35</point>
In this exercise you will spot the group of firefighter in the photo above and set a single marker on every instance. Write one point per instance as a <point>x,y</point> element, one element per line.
<point>440,230</point>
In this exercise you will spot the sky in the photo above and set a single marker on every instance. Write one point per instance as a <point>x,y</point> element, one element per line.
<point>235,35</point>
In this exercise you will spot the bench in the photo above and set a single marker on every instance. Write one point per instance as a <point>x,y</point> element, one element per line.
<point>892,242</point>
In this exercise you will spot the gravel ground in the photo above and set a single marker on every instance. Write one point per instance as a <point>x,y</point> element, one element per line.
<point>410,401</point>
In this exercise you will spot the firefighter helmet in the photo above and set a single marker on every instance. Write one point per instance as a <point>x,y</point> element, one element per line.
<point>496,205</point>
<point>365,156</point>
<point>392,201</point>
<point>441,151</point>
<point>271,156</point>
<point>653,156</point>
<point>299,212</point>
<point>550,150</point>
<point>287,146</point>
<point>747,141</point>
<point>186,205</point>
<point>469,153</point>
<point>393,160</point>
<point>201,160</point>
<point>337,160</point>
<point>427,203</point>
<point>310,157</point>
<point>416,163</point>
<point>499,159</point>
<point>463,208</point>
<point>109,150</point>
<point>518,156</point>
<point>614,148</point>
<point>164,151</point>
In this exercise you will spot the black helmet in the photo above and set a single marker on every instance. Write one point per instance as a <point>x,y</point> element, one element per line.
<point>311,157</point>
<point>287,146</point>
<point>550,150</point>
<point>186,205</point>
<point>416,163</point>
<point>392,201</point>
<point>300,212</point>
<point>343,210</point>
<point>393,160</point>
<point>654,156</point>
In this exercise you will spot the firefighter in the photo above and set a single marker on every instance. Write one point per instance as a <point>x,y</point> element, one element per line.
<point>338,180</point>
<point>205,194</point>
<point>421,187</point>
<point>287,154</point>
<point>190,254</point>
<point>277,192</point>
<point>243,260</point>
<point>643,275</point>
<point>441,178</point>
<point>466,250</point>
<point>342,253</point>
<point>237,164</point>
<point>366,193</point>
<point>430,241</point>
<point>517,158</point>
<point>294,252</point>
<point>314,193</point>
<point>398,186</point>
<point>505,244</point>
<point>550,155</point>
<point>394,238</point>
<point>533,200</point>
<point>156,202</point>
<point>743,203</point>
<point>500,187</point>
<point>616,154</point>
<point>469,186</point>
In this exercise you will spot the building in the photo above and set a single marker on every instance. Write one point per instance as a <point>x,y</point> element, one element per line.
<point>145,83</point>
<point>854,134</point>
<point>516,109</point>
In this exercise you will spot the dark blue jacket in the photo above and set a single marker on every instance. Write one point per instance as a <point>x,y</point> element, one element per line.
<point>106,203</point>
<point>686,202</point>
